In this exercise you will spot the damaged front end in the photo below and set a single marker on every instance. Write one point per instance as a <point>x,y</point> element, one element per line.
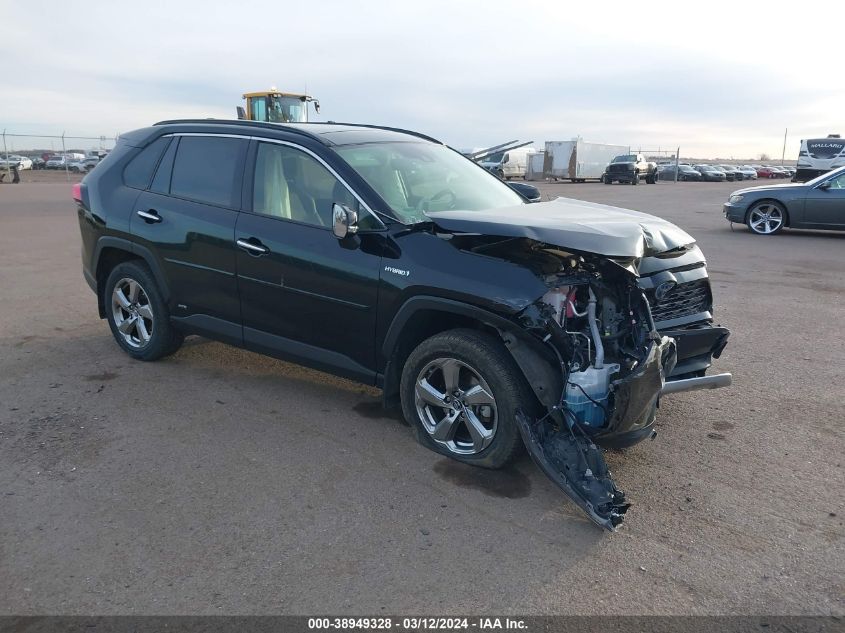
<point>588,344</point>
<point>605,367</point>
<point>567,453</point>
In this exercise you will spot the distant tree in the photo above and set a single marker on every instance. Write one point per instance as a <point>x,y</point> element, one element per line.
<point>764,157</point>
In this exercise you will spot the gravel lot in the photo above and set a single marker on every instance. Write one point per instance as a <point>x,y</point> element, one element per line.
<point>220,481</point>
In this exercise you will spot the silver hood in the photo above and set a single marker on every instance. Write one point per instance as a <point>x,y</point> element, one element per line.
<point>581,226</point>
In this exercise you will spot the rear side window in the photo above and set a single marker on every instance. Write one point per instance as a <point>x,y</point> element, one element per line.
<point>161,182</point>
<point>139,171</point>
<point>206,169</point>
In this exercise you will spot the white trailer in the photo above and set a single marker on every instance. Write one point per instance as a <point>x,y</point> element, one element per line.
<point>535,166</point>
<point>579,160</point>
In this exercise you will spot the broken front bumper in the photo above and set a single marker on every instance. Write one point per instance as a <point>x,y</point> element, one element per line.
<point>697,347</point>
<point>571,458</point>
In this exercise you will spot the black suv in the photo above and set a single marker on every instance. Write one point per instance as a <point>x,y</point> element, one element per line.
<point>386,257</point>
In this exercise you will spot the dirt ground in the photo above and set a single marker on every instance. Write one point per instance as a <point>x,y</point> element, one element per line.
<point>220,481</point>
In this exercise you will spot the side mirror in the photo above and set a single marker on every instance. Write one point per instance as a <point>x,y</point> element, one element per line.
<point>241,113</point>
<point>316,106</point>
<point>825,185</point>
<point>344,221</point>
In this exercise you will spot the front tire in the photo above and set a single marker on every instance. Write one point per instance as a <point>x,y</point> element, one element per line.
<point>460,391</point>
<point>766,217</point>
<point>137,314</point>
<point>636,179</point>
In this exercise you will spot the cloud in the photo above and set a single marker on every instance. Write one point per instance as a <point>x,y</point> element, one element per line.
<point>471,73</point>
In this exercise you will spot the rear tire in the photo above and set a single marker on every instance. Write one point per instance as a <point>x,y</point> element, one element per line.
<point>137,314</point>
<point>455,379</point>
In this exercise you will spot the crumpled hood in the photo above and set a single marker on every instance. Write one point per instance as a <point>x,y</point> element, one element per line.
<point>574,224</point>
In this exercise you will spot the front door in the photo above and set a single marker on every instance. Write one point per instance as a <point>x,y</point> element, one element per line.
<point>305,295</point>
<point>825,208</point>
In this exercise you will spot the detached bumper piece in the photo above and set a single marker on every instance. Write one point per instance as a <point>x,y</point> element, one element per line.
<point>577,466</point>
<point>571,459</point>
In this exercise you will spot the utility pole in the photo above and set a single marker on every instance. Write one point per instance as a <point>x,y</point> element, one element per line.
<point>6,152</point>
<point>677,159</point>
<point>64,153</point>
<point>783,153</point>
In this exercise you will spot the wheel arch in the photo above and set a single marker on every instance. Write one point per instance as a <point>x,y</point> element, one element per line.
<point>424,316</point>
<point>112,251</point>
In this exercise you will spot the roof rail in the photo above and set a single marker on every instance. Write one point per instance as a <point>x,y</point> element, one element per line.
<point>382,127</point>
<point>287,127</point>
<point>292,126</point>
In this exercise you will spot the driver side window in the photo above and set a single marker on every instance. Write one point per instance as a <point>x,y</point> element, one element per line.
<point>838,182</point>
<point>292,185</point>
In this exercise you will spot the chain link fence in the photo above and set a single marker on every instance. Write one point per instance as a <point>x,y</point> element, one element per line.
<point>39,146</point>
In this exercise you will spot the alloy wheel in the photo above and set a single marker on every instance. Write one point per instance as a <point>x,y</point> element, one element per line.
<point>456,406</point>
<point>765,219</point>
<point>132,313</point>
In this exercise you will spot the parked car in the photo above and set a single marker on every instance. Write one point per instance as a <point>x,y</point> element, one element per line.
<point>77,166</point>
<point>38,163</point>
<point>13,160</point>
<point>766,210</point>
<point>510,164</point>
<point>748,172</point>
<point>685,173</point>
<point>766,172</point>
<point>386,257</point>
<point>709,173</point>
<point>731,171</point>
<point>56,162</point>
<point>629,169</point>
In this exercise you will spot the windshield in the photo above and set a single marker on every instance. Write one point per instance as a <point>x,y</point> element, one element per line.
<point>417,177</point>
<point>627,158</point>
<point>825,176</point>
<point>285,109</point>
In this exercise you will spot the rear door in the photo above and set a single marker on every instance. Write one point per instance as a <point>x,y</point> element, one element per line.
<point>305,295</point>
<point>187,220</point>
<point>825,208</point>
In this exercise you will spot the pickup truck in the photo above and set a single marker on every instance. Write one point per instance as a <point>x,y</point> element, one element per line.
<point>630,168</point>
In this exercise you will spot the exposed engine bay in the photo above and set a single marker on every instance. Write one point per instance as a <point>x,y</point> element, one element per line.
<point>595,324</point>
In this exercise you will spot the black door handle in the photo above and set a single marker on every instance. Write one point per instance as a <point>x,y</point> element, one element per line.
<point>252,245</point>
<point>150,216</point>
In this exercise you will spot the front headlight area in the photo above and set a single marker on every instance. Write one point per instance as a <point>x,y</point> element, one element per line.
<point>736,199</point>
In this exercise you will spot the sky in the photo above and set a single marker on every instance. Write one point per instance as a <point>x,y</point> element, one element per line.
<point>715,79</point>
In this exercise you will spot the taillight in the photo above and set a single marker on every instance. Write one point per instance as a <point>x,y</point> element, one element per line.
<point>77,192</point>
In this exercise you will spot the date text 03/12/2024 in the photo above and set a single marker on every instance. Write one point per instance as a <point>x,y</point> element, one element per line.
<point>417,623</point>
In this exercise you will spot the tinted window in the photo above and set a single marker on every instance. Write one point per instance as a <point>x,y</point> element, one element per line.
<point>161,182</point>
<point>293,185</point>
<point>139,171</point>
<point>206,168</point>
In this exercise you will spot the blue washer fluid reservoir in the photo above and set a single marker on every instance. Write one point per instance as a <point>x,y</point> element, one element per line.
<point>595,384</point>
